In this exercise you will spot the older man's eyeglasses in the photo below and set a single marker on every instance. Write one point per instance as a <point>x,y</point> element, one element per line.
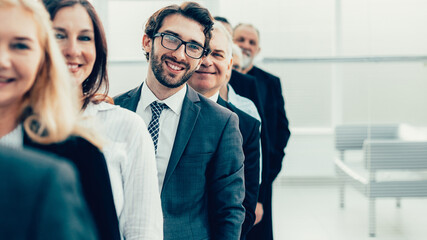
<point>172,42</point>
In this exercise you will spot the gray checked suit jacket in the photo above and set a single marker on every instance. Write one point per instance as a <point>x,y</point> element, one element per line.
<point>203,190</point>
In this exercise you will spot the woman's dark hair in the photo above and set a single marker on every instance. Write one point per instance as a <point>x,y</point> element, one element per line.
<point>189,10</point>
<point>98,78</point>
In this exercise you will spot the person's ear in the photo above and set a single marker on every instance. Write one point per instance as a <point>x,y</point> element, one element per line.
<point>230,65</point>
<point>147,43</point>
<point>258,50</point>
<point>229,70</point>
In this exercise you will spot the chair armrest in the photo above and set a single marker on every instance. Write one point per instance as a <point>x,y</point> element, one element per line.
<point>395,154</point>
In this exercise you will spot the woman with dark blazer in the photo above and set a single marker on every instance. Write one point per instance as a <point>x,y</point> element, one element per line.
<point>39,107</point>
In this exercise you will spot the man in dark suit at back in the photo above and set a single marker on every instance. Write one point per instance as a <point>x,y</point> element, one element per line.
<point>41,198</point>
<point>207,80</point>
<point>198,144</point>
<point>269,88</point>
<point>247,86</point>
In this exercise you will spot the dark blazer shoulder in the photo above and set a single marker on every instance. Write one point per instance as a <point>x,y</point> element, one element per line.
<point>129,99</point>
<point>240,75</point>
<point>244,118</point>
<point>240,80</point>
<point>127,94</point>
<point>210,107</point>
<point>258,72</point>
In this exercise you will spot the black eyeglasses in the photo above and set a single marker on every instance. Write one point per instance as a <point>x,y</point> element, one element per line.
<point>172,42</point>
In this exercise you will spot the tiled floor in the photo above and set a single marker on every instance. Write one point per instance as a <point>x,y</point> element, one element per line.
<point>307,212</point>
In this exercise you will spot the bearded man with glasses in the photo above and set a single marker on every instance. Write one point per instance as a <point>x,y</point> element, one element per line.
<point>198,143</point>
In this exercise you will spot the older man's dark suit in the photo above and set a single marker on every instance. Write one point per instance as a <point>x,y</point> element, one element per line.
<point>249,127</point>
<point>270,90</point>
<point>270,96</point>
<point>246,86</point>
<point>41,198</point>
<point>203,190</point>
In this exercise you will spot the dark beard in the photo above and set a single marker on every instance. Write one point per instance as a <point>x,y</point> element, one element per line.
<point>167,79</point>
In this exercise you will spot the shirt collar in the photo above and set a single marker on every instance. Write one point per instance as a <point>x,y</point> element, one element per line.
<point>173,102</point>
<point>231,94</point>
<point>92,109</point>
<point>215,97</point>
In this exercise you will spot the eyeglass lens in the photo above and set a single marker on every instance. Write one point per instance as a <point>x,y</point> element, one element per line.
<point>173,43</point>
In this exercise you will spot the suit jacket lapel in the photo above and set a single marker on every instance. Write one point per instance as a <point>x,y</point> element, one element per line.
<point>189,114</point>
<point>131,102</point>
<point>222,102</point>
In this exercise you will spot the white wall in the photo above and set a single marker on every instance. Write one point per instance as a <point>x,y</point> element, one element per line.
<point>384,27</point>
<point>292,28</point>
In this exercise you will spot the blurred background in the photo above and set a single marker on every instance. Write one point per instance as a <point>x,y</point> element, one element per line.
<point>360,64</point>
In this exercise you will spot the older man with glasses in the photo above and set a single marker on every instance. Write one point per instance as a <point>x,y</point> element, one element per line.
<point>198,144</point>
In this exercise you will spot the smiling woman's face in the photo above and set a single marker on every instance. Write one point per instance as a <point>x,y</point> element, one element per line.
<point>76,38</point>
<point>20,55</point>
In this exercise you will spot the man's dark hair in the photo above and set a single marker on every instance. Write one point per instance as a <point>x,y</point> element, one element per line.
<point>222,19</point>
<point>189,10</point>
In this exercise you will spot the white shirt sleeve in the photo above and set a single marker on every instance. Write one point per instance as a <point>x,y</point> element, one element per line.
<point>129,153</point>
<point>142,216</point>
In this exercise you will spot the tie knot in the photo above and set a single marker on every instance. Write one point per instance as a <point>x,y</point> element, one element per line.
<point>157,108</point>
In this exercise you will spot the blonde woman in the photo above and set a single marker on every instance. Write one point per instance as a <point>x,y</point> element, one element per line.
<point>39,106</point>
<point>129,150</point>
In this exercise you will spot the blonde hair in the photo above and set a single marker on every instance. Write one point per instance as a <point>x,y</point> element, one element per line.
<point>50,109</point>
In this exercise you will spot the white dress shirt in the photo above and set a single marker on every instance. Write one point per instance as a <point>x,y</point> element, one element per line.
<point>129,153</point>
<point>168,124</point>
